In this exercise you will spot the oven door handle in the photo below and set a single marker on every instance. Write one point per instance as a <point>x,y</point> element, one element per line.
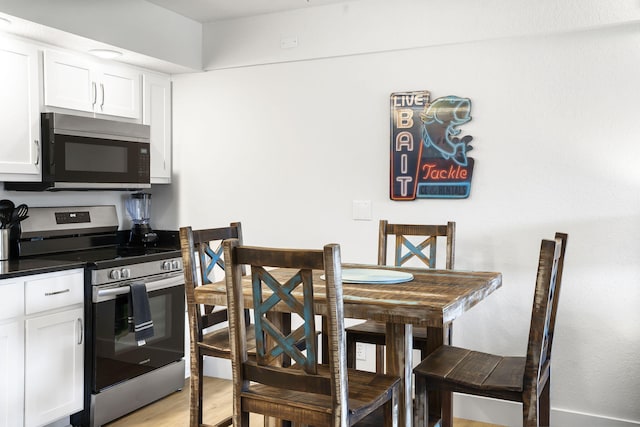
<point>155,285</point>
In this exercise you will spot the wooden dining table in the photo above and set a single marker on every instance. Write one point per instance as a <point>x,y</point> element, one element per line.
<point>433,298</point>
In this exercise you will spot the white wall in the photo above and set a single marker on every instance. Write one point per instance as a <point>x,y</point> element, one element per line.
<point>285,148</point>
<point>360,26</point>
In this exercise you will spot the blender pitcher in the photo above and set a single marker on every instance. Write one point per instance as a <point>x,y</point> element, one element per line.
<point>139,209</point>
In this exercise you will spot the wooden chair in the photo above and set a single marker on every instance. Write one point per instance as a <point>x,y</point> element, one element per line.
<point>372,332</point>
<point>307,393</point>
<point>519,379</point>
<point>202,256</point>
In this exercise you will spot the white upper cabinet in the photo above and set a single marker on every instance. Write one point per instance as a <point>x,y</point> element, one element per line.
<point>68,82</point>
<point>20,111</point>
<point>35,78</point>
<point>119,92</point>
<point>157,114</point>
<point>79,83</point>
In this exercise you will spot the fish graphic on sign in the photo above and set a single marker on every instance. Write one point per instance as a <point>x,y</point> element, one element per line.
<point>440,127</point>
<point>428,149</point>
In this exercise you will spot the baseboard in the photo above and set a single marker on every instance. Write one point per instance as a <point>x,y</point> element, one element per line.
<point>216,367</point>
<point>565,417</point>
<point>510,414</point>
<point>64,422</point>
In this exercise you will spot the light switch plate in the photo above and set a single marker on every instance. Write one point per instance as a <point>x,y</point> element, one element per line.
<point>362,210</point>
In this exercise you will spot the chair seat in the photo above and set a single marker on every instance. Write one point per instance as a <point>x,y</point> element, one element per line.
<point>366,390</point>
<point>372,332</point>
<point>216,343</point>
<point>466,370</point>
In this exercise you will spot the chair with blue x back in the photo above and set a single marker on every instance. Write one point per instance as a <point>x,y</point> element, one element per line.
<point>202,256</point>
<point>308,393</point>
<point>406,249</point>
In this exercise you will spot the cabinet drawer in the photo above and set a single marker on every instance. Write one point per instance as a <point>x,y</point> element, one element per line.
<point>11,299</point>
<point>54,290</point>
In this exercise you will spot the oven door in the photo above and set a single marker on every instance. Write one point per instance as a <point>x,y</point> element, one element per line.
<point>116,354</point>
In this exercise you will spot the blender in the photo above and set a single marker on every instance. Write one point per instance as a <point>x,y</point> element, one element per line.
<point>139,209</point>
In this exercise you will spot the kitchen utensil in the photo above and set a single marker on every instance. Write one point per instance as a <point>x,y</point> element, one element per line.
<point>6,209</point>
<point>18,214</point>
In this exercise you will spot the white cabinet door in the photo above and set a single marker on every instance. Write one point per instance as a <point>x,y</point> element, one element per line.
<point>79,83</point>
<point>11,372</point>
<point>11,352</point>
<point>157,114</point>
<point>20,111</point>
<point>119,92</point>
<point>69,82</point>
<point>54,366</point>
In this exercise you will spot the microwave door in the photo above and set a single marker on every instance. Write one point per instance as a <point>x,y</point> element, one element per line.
<point>80,159</point>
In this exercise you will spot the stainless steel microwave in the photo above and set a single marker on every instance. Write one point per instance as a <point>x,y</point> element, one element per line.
<point>85,153</point>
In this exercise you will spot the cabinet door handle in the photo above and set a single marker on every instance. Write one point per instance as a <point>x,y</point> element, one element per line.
<point>81,331</point>
<point>48,294</point>
<point>102,89</point>
<point>37,151</point>
<point>95,94</point>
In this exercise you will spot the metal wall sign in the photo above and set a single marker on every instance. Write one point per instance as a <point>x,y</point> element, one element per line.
<point>428,150</point>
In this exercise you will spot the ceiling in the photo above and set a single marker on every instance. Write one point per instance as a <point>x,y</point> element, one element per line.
<point>199,10</point>
<point>215,10</point>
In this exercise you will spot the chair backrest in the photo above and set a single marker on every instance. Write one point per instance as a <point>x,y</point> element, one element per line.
<point>425,251</point>
<point>202,257</point>
<point>545,306</point>
<point>270,288</point>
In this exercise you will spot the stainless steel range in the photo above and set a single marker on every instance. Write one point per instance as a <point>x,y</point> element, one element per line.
<point>122,373</point>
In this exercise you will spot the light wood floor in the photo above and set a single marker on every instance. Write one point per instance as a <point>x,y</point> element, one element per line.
<point>172,411</point>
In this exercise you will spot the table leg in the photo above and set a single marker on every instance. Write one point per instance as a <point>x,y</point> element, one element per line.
<point>400,363</point>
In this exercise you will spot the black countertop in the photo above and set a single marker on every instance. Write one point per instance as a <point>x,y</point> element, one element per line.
<point>168,241</point>
<point>28,266</point>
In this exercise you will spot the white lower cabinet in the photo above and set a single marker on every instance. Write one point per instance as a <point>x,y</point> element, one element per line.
<point>41,348</point>
<point>11,369</point>
<point>54,362</point>
<point>11,352</point>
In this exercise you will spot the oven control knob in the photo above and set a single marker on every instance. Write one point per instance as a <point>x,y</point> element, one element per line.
<point>166,266</point>
<point>125,273</point>
<point>175,264</point>
<point>114,274</point>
